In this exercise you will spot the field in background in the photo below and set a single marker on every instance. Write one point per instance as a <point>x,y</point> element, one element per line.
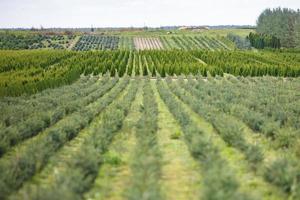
<point>147,43</point>
<point>125,40</point>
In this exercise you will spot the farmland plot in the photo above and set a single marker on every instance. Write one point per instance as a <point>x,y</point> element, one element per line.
<point>196,42</point>
<point>126,43</point>
<point>126,138</point>
<point>96,42</point>
<point>35,41</point>
<point>147,43</point>
<point>28,72</point>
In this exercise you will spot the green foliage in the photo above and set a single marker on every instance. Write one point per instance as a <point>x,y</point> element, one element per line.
<point>240,43</point>
<point>270,107</point>
<point>176,135</point>
<point>285,138</point>
<point>11,41</point>
<point>126,43</point>
<point>146,165</point>
<point>283,173</point>
<point>241,63</point>
<point>219,180</point>
<point>187,42</point>
<point>33,124</point>
<point>279,22</point>
<point>261,41</point>
<point>228,127</point>
<point>33,71</point>
<point>94,42</point>
<point>20,166</point>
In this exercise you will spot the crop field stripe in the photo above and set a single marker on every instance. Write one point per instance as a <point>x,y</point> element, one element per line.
<point>44,63</point>
<point>203,41</point>
<point>153,44</point>
<point>190,40</point>
<point>22,108</point>
<point>96,42</point>
<point>199,45</point>
<point>199,139</point>
<point>173,44</point>
<point>243,105</point>
<point>14,151</point>
<point>42,147</point>
<point>165,42</point>
<point>204,45</point>
<point>82,99</point>
<point>261,94</point>
<point>137,64</point>
<point>126,42</point>
<point>273,156</point>
<point>59,118</point>
<point>212,43</point>
<point>78,162</point>
<point>224,46</point>
<point>178,42</point>
<point>133,64</point>
<point>140,65</point>
<point>184,43</point>
<point>74,42</point>
<point>180,172</point>
<point>231,153</point>
<point>146,163</point>
<point>146,66</point>
<point>114,175</point>
<point>136,43</point>
<point>276,155</point>
<point>209,43</point>
<point>63,155</point>
<point>250,136</point>
<point>147,43</point>
<point>128,63</point>
<point>151,65</point>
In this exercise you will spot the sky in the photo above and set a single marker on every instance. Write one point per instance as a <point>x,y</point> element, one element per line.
<point>136,13</point>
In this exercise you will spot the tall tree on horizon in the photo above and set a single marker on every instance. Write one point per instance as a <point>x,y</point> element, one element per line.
<point>281,23</point>
<point>297,29</point>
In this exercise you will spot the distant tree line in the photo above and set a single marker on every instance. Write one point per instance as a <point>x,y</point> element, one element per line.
<point>261,41</point>
<point>282,23</point>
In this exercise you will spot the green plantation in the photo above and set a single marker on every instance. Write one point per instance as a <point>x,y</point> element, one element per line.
<point>103,139</point>
<point>148,115</point>
<point>33,71</point>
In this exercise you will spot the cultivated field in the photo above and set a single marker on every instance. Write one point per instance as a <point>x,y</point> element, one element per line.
<point>174,138</point>
<point>147,43</point>
<point>196,42</point>
<point>148,116</point>
<point>126,43</point>
<point>94,42</point>
<point>33,71</point>
<point>113,40</point>
<point>35,41</point>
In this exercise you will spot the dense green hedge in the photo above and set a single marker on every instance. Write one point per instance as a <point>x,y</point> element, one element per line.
<point>33,71</point>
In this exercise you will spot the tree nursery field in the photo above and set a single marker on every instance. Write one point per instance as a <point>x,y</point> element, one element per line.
<point>208,40</point>
<point>139,137</point>
<point>149,115</point>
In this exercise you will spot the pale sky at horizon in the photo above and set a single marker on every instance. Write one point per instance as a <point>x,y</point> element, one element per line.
<point>137,13</point>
